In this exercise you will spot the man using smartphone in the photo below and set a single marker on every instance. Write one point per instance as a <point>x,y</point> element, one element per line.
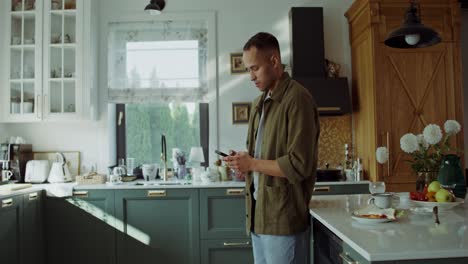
<point>281,161</point>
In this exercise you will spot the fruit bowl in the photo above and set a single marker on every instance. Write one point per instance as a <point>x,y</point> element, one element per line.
<point>440,205</point>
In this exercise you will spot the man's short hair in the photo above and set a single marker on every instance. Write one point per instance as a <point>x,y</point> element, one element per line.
<point>263,41</point>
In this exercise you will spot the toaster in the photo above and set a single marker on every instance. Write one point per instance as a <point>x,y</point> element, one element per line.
<point>37,171</point>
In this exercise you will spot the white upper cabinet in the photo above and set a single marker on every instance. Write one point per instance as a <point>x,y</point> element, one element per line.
<point>51,61</point>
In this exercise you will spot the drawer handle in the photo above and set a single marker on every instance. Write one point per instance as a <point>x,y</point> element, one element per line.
<point>157,193</point>
<point>7,203</point>
<point>322,189</point>
<point>234,191</point>
<point>33,196</point>
<point>229,244</point>
<point>347,259</point>
<point>80,193</point>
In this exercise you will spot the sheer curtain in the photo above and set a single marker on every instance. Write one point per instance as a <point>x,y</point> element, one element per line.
<point>163,60</point>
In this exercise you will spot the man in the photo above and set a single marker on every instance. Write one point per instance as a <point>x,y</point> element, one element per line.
<point>281,160</point>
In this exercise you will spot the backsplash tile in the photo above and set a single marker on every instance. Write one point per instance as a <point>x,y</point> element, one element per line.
<point>335,131</point>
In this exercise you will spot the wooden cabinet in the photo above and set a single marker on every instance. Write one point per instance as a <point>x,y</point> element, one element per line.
<point>81,229</point>
<point>49,51</point>
<point>157,226</point>
<point>219,251</point>
<point>399,91</point>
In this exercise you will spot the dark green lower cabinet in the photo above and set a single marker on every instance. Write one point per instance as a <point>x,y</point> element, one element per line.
<point>11,226</point>
<point>157,226</point>
<point>33,246</point>
<point>226,251</point>
<point>81,229</point>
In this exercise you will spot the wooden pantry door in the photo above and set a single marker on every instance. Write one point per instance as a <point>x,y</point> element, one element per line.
<point>419,88</point>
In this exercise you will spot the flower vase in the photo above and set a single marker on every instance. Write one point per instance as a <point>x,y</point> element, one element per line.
<point>424,179</point>
<point>451,175</point>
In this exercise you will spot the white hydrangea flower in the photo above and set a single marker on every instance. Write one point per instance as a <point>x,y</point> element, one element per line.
<point>422,142</point>
<point>452,127</point>
<point>409,143</point>
<point>432,134</point>
<point>381,154</point>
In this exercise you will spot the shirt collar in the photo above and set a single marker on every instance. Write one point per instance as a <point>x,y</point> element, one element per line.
<point>280,89</point>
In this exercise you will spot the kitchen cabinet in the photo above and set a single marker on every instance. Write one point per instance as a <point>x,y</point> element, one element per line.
<point>222,227</point>
<point>399,91</point>
<point>33,228</point>
<point>21,228</point>
<point>81,229</point>
<point>219,251</point>
<point>157,226</point>
<point>50,50</point>
<point>11,227</point>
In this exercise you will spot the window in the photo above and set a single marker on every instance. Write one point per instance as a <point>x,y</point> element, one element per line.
<point>139,131</point>
<point>162,76</point>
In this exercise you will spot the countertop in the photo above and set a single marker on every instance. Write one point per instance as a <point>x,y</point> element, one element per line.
<point>413,236</point>
<point>66,189</point>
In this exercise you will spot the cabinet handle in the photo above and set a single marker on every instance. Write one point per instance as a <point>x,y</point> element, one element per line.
<point>234,191</point>
<point>347,259</point>
<point>322,189</point>
<point>229,244</point>
<point>388,148</point>
<point>157,193</point>
<point>37,107</point>
<point>80,193</point>
<point>33,196</point>
<point>7,203</point>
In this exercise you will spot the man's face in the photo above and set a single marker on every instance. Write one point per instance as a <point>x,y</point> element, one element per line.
<point>261,67</point>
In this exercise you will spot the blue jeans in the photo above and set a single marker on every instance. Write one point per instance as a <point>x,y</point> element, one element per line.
<point>290,249</point>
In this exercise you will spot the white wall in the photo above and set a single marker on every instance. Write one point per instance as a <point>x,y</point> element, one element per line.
<point>464,47</point>
<point>236,21</point>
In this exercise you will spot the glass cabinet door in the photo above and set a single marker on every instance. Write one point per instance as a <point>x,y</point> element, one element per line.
<point>24,58</point>
<point>61,61</point>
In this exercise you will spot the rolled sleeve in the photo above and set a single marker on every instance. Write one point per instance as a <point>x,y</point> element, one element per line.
<point>302,139</point>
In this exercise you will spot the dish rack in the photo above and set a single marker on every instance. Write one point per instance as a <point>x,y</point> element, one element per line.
<point>91,178</point>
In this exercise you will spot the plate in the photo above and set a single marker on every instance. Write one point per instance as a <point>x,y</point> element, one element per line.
<point>440,205</point>
<point>367,220</point>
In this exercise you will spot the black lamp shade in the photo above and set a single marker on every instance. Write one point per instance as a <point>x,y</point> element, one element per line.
<point>412,26</point>
<point>156,5</point>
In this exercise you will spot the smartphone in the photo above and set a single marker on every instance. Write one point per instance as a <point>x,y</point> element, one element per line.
<point>221,153</point>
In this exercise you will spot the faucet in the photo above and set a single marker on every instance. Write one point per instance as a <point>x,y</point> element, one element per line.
<point>164,157</point>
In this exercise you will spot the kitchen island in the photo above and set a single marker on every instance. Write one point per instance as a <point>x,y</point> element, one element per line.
<point>413,238</point>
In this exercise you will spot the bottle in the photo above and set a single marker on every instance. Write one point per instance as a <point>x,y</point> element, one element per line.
<point>358,171</point>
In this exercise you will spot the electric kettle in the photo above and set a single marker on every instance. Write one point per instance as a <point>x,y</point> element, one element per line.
<point>59,171</point>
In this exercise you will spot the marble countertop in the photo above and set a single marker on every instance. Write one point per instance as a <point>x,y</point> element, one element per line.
<point>413,236</point>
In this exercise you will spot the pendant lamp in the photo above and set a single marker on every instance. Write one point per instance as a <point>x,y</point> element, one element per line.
<point>412,34</point>
<point>155,7</point>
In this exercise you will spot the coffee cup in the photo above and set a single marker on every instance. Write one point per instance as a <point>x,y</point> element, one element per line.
<point>6,175</point>
<point>381,200</point>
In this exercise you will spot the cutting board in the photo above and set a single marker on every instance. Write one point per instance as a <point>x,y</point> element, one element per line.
<point>9,188</point>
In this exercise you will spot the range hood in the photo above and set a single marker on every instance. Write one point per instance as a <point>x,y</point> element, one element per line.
<point>308,62</point>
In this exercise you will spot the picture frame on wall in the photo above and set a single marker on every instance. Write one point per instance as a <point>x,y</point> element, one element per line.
<point>237,65</point>
<point>240,113</point>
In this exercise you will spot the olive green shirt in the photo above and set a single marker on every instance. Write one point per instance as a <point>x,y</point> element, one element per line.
<point>290,136</point>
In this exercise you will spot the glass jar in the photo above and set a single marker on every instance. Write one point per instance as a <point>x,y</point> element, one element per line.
<point>424,178</point>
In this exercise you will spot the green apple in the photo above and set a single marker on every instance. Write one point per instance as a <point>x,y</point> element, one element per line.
<point>434,186</point>
<point>443,195</point>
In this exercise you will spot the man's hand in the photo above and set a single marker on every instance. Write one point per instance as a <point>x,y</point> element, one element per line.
<point>240,162</point>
